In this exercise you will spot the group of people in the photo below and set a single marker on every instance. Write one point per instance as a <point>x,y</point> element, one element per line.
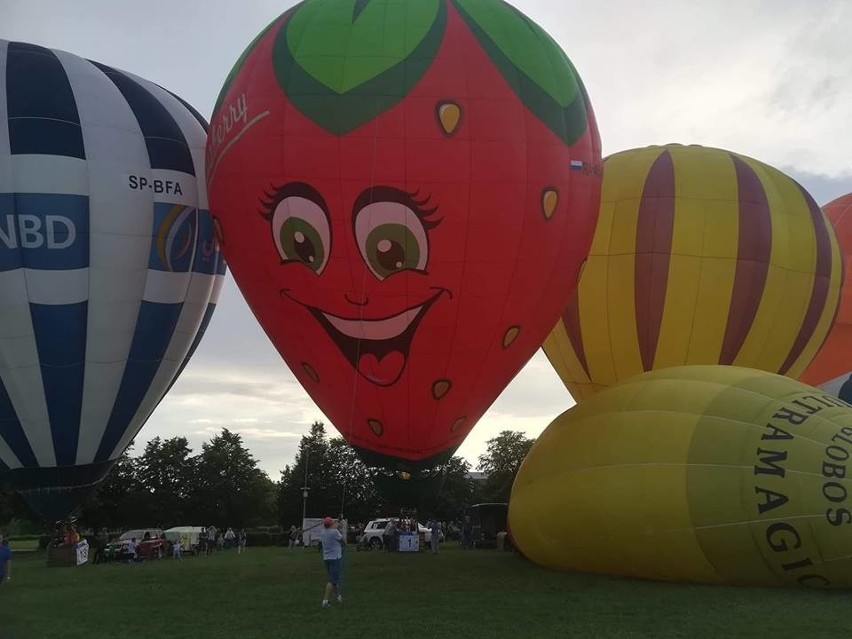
<point>65,535</point>
<point>396,527</point>
<point>212,538</point>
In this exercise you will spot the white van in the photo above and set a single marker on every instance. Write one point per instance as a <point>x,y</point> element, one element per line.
<point>188,536</point>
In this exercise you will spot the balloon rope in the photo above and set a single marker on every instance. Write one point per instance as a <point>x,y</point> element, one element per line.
<point>361,322</point>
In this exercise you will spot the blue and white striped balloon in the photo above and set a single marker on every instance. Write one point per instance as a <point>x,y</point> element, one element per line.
<point>109,270</point>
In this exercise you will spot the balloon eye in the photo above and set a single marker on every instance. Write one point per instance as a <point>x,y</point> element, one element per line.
<point>391,248</point>
<point>300,242</point>
<point>391,238</point>
<point>301,232</point>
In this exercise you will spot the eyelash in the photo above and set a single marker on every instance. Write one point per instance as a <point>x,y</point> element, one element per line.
<point>274,195</point>
<point>271,198</point>
<point>420,210</point>
<point>419,206</point>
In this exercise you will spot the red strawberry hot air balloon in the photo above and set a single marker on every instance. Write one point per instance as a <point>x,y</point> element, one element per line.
<point>831,369</point>
<point>399,187</point>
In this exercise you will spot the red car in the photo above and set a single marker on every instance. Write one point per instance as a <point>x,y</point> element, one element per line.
<point>151,543</point>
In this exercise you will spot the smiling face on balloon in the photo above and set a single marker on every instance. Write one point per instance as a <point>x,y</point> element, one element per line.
<point>406,230</point>
<point>391,230</point>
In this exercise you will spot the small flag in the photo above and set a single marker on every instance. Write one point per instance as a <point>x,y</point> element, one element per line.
<point>576,165</point>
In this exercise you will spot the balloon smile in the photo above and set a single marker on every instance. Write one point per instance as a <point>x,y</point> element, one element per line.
<point>376,348</point>
<point>375,330</point>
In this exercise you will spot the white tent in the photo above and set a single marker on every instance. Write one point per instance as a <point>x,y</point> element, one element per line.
<point>188,536</point>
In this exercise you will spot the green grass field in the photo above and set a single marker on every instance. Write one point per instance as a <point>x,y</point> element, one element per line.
<point>26,544</point>
<point>270,592</point>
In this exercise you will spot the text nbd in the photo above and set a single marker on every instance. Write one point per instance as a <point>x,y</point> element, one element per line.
<point>30,232</point>
<point>139,183</point>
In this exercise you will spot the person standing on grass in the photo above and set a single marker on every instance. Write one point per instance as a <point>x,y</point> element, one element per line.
<point>211,539</point>
<point>176,550</point>
<point>435,527</point>
<point>241,541</point>
<point>332,542</point>
<point>389,536</point>
<point>292,536</point>
<point>5,560</point>
<point>130,549</point>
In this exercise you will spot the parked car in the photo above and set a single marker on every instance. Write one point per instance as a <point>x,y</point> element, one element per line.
<point>151,543</point>
<point>374,531</point>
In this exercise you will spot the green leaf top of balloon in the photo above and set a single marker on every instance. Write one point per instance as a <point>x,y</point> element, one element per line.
<point>238,65</point>
<point>536,68</point>
<point>343,62</point>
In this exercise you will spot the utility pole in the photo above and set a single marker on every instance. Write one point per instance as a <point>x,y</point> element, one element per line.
<point>305,488</point>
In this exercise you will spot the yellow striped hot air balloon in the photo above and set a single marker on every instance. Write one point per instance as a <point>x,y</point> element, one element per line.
<point>711,474</point>
<point>701,256</point>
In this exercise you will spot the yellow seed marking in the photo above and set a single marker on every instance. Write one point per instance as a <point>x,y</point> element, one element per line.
<point>458,424</point>
<point>376,427</point>
<point>441,388</point>
<point>310,371</point>
<point>549,202</point>
<point>449,115</point>
<point>510,336</point>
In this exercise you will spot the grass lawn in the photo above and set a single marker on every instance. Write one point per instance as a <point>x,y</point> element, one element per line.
<point>274,592</point>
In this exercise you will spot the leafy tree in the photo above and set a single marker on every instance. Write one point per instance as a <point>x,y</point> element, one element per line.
<point>456,492</point>
<point>230,489</point>
<point>352,486</point>
<point>308,469</point>
<point>287,499</point>
<point>337,478</point>
<point>166,474</point>
<point>501,462</point>
<point>14,508</point>
<point>118,499</point>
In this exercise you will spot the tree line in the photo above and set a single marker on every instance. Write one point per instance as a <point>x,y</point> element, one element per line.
<point>167,484</point>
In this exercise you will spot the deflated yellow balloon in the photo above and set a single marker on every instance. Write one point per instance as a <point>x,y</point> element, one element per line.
<point>712,474</point>
<point>700,256</point>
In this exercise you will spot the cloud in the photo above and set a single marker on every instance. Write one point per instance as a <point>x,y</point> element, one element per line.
<point>767,79</point>
<point>268,408</point>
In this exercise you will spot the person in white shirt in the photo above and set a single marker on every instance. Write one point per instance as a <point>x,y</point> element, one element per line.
<point>176,550</point>
<point>332,554</point>
<point>241,541</point>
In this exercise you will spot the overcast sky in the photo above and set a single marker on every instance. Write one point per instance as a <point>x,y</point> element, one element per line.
<point>767,78</point>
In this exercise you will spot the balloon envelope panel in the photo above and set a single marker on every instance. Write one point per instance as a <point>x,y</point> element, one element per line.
<point>396,184</point>
<point>831,368</point>
<point>109,270</point>
<point>701,256</point>
<point>714,474</point>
